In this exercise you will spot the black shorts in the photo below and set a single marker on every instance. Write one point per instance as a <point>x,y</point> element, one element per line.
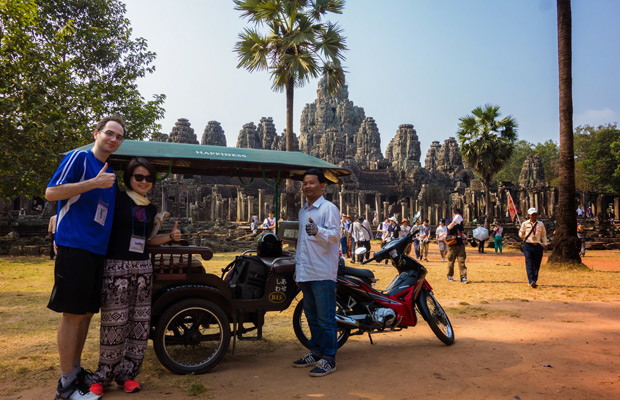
<point>77,281</point>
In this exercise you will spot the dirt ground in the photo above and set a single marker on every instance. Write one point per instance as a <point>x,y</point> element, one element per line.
<point>529,349</point>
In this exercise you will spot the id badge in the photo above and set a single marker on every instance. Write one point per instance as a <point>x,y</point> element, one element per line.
<point>137,243</point>
<point>102,213</point>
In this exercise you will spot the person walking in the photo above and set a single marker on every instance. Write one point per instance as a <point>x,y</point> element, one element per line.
<point>316,273</point>
<point>85,188</point>
<point>498,238</point>
<point>127,279</point>
<point>441,232</point>
<point>481,242</point>
<point>456,251</point>
<point>425,236</point>
<point>534,237</point>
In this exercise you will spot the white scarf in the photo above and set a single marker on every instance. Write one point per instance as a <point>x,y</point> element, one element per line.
<point>138,198</point>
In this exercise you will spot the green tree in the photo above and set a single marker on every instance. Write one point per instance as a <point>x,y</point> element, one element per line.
<point>486,143</point>
<point>296,46</point>
<point>565,242</point>
<point>596,158</point>
<point>63,66</point>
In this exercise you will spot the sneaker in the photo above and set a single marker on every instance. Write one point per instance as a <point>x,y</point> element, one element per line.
<point>533,285</point>
<point>129,386</point>
<point>443,260</point>
<point>450,278</point>
<point>307,360</point>
<point>75,391</point>
<point>464,280</point>
<point>426,260</point>
<point>323,367</point>
<point>97,389</point>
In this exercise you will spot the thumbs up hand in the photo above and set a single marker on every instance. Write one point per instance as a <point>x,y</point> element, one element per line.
<point>175,235</point>
<point>311,228</point>
<point>104,180</point>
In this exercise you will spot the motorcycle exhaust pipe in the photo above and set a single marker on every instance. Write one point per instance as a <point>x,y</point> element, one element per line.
<point>341,319</point>
<point>353,323</point>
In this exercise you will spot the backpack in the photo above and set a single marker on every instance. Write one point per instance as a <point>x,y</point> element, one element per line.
<point>247,277</point>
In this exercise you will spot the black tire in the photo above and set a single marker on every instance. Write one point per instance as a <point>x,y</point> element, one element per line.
<point>191,336</point>
<point>436,317</point>
<point>302,331</point>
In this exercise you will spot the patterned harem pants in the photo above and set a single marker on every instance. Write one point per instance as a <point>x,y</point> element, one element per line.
<point>125,317</point>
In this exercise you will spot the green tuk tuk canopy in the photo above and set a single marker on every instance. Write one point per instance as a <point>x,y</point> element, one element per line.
<point>195,159</point>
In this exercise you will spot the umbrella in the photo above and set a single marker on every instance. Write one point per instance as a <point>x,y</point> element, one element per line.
<point>481,233</point>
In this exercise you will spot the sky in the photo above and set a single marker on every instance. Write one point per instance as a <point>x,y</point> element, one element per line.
<point>421,62</point>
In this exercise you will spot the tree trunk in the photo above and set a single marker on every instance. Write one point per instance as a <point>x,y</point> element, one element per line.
<point>487,201</point>
<point>565,241</point>
<point>292,205</point>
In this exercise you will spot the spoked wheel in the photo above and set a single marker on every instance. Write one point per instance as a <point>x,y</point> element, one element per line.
<point>191,336</point>
<point>302,330</point>
<point>436,317</point>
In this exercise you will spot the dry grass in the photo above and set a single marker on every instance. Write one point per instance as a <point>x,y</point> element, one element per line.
<point>28,328</point>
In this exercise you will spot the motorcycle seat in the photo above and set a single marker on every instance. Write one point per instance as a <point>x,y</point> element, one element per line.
<point>359,272</point>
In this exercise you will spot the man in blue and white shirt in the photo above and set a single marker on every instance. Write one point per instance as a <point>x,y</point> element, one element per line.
<point>85,187</point>
<point>317,271</point>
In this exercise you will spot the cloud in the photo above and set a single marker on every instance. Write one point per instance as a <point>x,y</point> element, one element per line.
<point>596,117</point>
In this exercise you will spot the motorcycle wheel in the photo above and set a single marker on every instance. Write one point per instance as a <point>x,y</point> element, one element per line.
<point>436,317</point>
<point>302,330</point>
<point>191,336</point>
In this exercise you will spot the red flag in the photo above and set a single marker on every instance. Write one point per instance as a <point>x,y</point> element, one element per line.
<point>512,208</point>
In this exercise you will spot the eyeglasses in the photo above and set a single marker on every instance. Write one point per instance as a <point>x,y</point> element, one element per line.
<point>118,137</point>
<point>140,178</point>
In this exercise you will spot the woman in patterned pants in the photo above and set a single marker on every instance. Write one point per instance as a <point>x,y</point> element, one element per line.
<point>127,278</point>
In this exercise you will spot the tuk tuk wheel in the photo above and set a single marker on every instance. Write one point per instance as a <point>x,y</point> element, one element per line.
<point>191,336</point>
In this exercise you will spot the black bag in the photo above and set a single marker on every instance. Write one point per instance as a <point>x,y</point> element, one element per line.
<point>247,277</point>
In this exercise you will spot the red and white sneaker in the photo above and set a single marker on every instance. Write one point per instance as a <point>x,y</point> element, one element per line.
<point>97,389</point>
<point>129,386</point>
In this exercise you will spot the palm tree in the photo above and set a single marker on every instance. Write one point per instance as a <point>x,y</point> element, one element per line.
<point>486,143</point>
<point>565,242</point>
<point>297,46</point>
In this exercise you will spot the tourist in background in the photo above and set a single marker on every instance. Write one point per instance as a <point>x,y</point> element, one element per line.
<point>534,236</point>
<point>384,229</point>
<point>425,236</point>
<point>361,234</point>
<point>416,240</point>
<point>581,234</point>
<point>481,242</point>
<point>51,230</point>
<point>456,251</point>
<point>498,237</point>
<point>127,279</point>
<point>344,229</point>
<point>404,227</point>
<point>393,230</point>
<point>441,233</point>
<point>270,222</point>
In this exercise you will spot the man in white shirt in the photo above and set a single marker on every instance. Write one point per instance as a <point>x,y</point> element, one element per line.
<point>361,234</point>
<point>534,236</point>
<point>441,234</point>
<point>316,273</point>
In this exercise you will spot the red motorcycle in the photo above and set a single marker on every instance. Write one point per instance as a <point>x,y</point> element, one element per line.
<point>360,308</point>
